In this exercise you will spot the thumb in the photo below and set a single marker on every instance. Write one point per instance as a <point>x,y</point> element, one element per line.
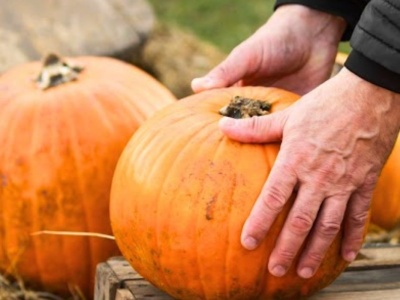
<point>234,68</point>
<point>262,129</point>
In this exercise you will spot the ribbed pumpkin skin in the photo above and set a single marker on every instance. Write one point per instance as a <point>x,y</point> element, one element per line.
<point>59,148</point>
<point>180,195</point>
<point>385,209</point>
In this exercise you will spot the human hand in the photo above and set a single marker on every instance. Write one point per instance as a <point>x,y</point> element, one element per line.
<point>295,50</point>
<point>335,141</point>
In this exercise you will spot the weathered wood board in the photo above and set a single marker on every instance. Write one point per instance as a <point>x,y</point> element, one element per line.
<point>375,275</point>
<point>31,29</point>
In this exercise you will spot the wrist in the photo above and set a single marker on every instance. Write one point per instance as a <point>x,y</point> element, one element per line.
<point>373,98</point>
<point>373,71</point>
<point>318,25</point>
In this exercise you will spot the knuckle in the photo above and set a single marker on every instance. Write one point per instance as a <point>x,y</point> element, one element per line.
<point>328,229</point>
<point>222,71</point>
<point>315,257</point>
<point>358,220</point>
<point>255,123</point>
<point>258,227</point>
<point>301,223</point>
<point>356,242</point>
<point>370,182</point>
<point>254,126</point>
<point>286,255</point>
<point>274,200</point>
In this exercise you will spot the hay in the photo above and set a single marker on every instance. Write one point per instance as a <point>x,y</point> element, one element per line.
<point>378,235</point>
<point>16,290</point>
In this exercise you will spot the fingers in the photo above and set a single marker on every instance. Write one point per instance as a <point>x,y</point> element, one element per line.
<point>256,129</point>
<point>234,68</point>
<point>325,230</point>
<point>295,230</point>
<point>326,227</point>
<point>357,216</point>
<point>269,204</point>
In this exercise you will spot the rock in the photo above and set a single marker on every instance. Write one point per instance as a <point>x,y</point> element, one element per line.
<point>31,29</point>
<point>175,57</point>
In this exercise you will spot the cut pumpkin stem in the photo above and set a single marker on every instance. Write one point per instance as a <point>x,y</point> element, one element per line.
<point>241,107</point>
<point>56,71</point>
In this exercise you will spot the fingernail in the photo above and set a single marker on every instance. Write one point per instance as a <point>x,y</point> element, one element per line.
<point>201,83</point>
<point>227,122</point>
<point>278,271</point>
<point>196,81</point>
<point>350,256</point>
<point>250,243</point>
<point>306,273</point>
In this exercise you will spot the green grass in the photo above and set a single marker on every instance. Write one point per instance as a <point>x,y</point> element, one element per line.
<point>224,23</point>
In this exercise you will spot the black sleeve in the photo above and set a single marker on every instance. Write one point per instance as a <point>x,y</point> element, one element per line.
<point>376,45</point>
<point>349,10</point>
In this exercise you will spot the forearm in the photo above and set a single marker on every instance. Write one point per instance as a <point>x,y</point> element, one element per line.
<point>316,27</point>
<point>350,11</point>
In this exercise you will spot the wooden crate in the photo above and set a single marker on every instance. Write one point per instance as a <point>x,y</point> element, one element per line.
<point>374,275</point>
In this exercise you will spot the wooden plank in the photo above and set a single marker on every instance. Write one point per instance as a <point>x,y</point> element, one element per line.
<point>124,294</point>
<point>365,285</point>
<point>142,290</point>
<point>107,282</point>
<point>374,275</point>
<point>377,257</point>
<point>369,295</point>
<point>366,280</point>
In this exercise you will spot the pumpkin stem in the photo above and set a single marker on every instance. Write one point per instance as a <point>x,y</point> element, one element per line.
<point>241,107</point>
<point>56,71</point>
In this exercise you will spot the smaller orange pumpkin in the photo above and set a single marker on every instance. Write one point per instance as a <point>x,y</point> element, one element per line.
<point>60,142</point>
<point>385,210</point>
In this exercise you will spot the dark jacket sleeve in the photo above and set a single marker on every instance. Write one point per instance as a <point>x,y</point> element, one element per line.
<point>376,45</point>
<point>374,27</point>
<point>349,10</point>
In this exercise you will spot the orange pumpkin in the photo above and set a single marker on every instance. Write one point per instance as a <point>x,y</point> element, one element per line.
<point>181,193</point>
<point>59,147</point>
<point>385,209</point>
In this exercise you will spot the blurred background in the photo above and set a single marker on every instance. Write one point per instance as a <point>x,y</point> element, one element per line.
<point>224,23</point>
<point>174,40</point>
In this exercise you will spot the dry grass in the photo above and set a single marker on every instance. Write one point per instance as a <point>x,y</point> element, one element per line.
<point>16,289</point>
<point>12,289</point>
<point>377,234</point>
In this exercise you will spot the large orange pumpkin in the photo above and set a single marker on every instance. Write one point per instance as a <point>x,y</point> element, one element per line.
<point>385,210</point>
<point>181,193</point>
<point>60,143</point>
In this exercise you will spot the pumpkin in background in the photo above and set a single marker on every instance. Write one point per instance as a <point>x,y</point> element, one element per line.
<point>181,193</point>
<point>60,141</point>
<point>385,208</point>
<point>340,59</point>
